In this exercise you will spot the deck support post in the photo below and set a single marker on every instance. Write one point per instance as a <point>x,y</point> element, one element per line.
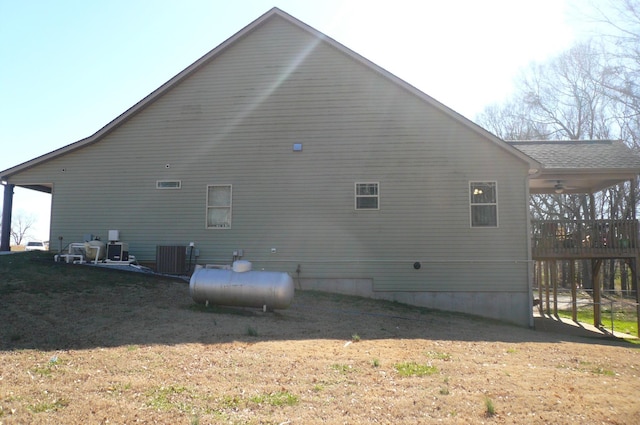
<point>632,193</point>
<point>539,274</point>
<point>597,296</point>
<point>554,282</point>
<point>633,265</point>
<point>635,281</point>
<point>574,290</point>
<point>633,262</point>
<point>547,285</point>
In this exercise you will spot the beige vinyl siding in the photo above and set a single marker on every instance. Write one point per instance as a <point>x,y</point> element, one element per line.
<point>235,121</point>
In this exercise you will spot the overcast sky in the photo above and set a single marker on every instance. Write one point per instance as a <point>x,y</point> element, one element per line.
<point>70,67</point>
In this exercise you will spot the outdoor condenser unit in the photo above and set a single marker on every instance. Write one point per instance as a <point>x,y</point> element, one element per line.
<point>118,251</point>
<point>171,259</point>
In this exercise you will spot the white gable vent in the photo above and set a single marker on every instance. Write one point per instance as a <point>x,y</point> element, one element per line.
<point>168,184</point>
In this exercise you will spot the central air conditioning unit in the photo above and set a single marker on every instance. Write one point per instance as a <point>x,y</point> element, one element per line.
<point>171,259</point>
<point>118,251</point>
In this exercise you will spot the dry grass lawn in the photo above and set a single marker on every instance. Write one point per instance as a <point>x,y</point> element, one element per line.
<point>140,351</point>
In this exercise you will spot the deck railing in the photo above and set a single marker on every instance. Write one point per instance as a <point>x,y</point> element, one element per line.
<point>584,238</point>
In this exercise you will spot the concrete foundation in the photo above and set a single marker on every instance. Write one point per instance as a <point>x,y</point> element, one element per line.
<point>512,307</point>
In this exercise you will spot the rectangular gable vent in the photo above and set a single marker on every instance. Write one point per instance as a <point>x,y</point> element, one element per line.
<point>169,184</point>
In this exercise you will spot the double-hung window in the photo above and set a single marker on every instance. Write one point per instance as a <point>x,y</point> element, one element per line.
<point>483,199</point>
<point>219,206</point>
<point>367,196</point>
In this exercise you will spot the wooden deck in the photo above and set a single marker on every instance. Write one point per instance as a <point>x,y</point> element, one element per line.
<point>554,241</point>
<point>584,239</point>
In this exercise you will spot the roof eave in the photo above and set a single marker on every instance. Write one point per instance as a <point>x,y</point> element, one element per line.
<point>630,172</point>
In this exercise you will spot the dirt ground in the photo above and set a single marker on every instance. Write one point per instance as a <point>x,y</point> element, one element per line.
<point>147,354</point>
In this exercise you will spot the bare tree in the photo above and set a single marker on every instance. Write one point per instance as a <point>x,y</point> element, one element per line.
<point>591,91</point>
<point>21,225</point>
<point>618,30</point>
<point>509,121</point>
<point>565,97</point>
<point>618,23</point>
<point>569,97</point>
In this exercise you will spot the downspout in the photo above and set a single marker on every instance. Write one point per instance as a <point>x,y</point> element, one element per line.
<point>7,205</point>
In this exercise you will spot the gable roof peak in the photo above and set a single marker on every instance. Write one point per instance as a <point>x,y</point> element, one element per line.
<point>216,51</point>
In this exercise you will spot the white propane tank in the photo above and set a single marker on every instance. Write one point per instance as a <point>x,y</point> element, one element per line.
<point>260,289</point>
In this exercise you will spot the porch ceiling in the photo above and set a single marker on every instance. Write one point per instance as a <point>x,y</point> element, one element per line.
<point>576,182</point>
<point>46,188</point>
<point>579,166</point>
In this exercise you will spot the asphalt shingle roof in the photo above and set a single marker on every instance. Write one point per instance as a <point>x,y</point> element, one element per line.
<point>580,154</point>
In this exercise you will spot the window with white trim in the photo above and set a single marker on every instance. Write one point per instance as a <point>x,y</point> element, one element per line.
<point>367,196</point>
<point>483,201</point>
<point>219,206</point>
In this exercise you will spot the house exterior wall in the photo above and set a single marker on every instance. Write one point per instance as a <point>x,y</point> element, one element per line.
<point>235,121</point>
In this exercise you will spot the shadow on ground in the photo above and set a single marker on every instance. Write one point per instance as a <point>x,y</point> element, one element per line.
<point>89,313</point>
<point>562,326</point>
